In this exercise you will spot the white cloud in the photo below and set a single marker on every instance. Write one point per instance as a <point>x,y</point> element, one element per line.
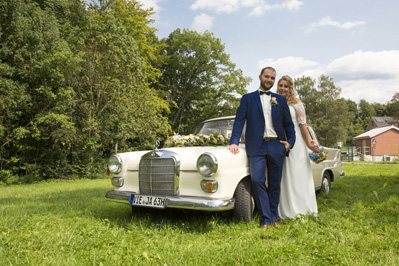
<point>373,91</point>
<point>259,7</point>
<point>287,64</point>
<point>366,65</point>
<point>220,6</point>
<point>327,21</point>
<point>293,5</point>
<point>152,4</point>
<point>202,22</point>
<point>373,76</point>
<point>369,75</point>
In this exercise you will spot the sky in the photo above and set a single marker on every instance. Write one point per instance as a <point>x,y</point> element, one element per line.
<point>354,42</point>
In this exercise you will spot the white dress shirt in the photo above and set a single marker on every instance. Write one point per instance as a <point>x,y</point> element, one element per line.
<point>267,111</point>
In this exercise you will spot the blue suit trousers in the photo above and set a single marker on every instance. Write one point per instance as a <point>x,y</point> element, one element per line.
<point>270,157</point>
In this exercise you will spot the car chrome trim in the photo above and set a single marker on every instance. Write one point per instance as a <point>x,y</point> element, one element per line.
<point>192,203</point>
<point>159,173</point>
<point>119,196</point>
<point>214,163</point>
<point>118,181</point>
<point>119,161</point>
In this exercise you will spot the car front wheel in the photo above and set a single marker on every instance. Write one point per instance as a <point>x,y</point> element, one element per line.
<point>244,203</point>
<point>325,183</point>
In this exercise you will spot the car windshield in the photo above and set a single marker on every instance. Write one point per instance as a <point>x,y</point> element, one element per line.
<point>221,126</point>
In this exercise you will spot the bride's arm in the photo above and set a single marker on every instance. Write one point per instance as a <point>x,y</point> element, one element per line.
<point>307,139</point>
<point>301,118</point>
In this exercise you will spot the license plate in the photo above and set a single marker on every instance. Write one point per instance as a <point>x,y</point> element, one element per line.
<point>147,201</point>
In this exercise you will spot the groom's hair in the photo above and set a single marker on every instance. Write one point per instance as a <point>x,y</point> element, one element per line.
<point>263,69</point>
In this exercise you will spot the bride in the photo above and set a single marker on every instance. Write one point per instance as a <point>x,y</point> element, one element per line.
<point>297,188</point>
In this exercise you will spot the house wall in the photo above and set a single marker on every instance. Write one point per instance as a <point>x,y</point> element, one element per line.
<point>363,146</point>
<point>387,144</point>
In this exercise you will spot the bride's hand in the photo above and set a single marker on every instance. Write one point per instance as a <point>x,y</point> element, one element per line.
<point>314,148</point>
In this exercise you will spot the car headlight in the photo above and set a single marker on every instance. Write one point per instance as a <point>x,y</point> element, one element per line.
<point>207,164</point>
<point>115,164</point>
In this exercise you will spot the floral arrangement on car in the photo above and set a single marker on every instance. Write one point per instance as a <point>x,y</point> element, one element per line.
<point>320,156</point>
<point>215,139</point>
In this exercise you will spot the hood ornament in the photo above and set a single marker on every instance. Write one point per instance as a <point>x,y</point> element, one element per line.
<point>156,145</point>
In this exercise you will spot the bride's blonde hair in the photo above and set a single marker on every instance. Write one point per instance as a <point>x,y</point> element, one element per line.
<point>291,98</point>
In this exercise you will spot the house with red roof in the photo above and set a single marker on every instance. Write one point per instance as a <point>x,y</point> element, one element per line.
<point>379,144</point>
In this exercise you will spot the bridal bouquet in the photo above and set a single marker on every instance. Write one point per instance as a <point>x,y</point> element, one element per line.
<point>320,156</point>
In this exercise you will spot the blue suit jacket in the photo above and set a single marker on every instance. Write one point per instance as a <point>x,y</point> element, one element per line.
<point>251,111</point>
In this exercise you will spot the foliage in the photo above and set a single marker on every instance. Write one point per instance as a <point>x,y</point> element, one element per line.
<point>75,86</point>
<point>70,223</point>
<point>119,107</point>
<point>80,80</point>
<point>36,118</point>
<point>198,79</point>
<point>326,111</point>
<point>394,105</point>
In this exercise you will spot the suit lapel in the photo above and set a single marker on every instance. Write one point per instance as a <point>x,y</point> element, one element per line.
<point>272,95</point>
<point>256,97</point>
<point>274,111</point>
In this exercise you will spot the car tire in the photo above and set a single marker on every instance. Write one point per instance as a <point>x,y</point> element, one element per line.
<point>244,204</point>
<point>325,183</point>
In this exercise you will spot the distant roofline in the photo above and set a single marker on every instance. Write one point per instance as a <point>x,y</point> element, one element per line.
<point>375,132</point>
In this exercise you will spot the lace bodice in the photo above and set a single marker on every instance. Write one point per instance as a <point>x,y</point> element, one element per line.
<point>298,113</point>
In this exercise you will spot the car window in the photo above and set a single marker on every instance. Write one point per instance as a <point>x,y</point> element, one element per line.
<point>313,135</point>
<point>221,126</point>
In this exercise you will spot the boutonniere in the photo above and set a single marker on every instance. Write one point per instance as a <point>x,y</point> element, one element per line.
<point>273,101</point>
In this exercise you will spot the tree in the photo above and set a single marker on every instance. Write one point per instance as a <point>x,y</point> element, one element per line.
<point>326,111</point>
<point>198,80</point>
<point>380,109</point>
<point>35,117</point>
<point>310,96</point>
<point>393,106</point>
<point>355,127</point>
<point>366,111</point>
<point>75,85</point>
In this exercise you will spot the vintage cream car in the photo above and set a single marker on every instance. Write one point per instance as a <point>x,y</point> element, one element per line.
<point>207,178</point>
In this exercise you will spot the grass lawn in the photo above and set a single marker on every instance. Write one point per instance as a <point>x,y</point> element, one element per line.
<point>71,223</point>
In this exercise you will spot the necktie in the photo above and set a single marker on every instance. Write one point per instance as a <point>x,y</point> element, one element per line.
<point>264,92</point>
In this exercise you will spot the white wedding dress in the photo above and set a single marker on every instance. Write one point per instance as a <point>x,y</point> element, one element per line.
<point>297,187</point>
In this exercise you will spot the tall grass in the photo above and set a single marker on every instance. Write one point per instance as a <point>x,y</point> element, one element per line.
<point>71,223</point>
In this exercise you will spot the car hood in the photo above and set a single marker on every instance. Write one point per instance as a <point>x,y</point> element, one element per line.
<point>188,156</point>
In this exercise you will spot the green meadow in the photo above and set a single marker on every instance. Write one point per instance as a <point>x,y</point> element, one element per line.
<point>70,223</point>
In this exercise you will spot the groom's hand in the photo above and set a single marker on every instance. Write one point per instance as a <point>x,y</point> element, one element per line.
<point>286,144</point>
<point>233,149</point>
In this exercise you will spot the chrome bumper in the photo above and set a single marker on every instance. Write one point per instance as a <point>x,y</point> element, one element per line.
<point>192,203</point>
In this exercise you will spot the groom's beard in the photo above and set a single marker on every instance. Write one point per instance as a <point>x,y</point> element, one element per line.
<point>265,87</point>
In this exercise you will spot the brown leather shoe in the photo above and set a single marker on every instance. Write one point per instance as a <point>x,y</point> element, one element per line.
<point>265,226</point>
<point>276,225</point>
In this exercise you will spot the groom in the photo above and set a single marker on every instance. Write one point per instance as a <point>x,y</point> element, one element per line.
<point>269,135</point>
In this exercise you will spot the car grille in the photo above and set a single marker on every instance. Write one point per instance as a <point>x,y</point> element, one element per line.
<point>159,174</point>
